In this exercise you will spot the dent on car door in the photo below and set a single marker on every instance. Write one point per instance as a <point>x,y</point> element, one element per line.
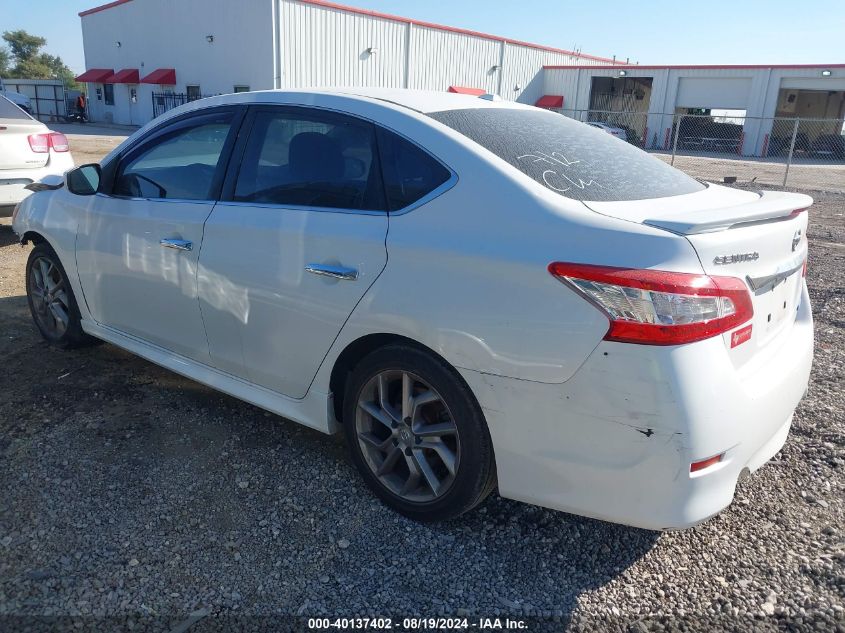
<point>140,237</point>
<point>296,242</point>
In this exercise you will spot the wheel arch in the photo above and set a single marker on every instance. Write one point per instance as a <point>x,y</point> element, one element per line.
<point>356,351</point>
<point>33,236</point>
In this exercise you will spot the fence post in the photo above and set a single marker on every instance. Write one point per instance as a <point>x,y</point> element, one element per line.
<point>675,141</point>
<point>791,150</point>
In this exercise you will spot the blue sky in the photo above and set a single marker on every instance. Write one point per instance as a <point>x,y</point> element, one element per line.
<point>656,32</point>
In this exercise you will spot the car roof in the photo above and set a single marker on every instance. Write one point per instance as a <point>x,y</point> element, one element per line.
<point>423,101</point>
<point>428,100</point>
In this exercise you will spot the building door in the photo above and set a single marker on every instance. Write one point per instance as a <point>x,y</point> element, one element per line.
<point>134,118</point>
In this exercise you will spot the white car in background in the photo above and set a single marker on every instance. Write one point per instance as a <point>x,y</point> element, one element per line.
<point>19,99</point>
<point>29,151</point>
<point>477,293</point>
<point>618,132</point>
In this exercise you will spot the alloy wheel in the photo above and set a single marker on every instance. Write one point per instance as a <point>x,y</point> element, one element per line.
<point>48,290</point>
<point>407,435</point>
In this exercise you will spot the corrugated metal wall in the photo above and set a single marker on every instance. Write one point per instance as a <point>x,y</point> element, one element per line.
<point>326,46</point>
<point>440,59</point>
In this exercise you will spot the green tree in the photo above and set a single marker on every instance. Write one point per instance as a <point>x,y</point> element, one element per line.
<point>24,46</point>
<point>5,58</point>
<point>30,62</point>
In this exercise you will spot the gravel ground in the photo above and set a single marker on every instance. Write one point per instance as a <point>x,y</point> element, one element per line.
<point>132,498</point>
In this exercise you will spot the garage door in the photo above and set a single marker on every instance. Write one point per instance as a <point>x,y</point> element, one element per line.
<point>713,92</point>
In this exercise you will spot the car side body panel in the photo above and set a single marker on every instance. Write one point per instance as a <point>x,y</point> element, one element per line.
<point>267,318</point>
<point>131,282</point>
<point>54,215</point>
<point>467,272</point>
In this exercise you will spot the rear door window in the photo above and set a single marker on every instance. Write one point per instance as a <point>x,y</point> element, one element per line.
<point>570,158</point>
<point>409,172</point>
<point>304,157</point>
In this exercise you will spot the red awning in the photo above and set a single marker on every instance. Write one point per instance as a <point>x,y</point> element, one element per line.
<point>95,75</point>
<point>163,76</point>
<point>550,101</point>
<point>475,92</point>
<point>125,76</point>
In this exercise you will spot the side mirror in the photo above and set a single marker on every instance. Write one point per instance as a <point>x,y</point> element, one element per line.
<point>84,180</point>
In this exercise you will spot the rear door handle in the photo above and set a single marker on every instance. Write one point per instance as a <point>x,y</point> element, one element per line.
<point>179,245</point>
<point>335,272</point>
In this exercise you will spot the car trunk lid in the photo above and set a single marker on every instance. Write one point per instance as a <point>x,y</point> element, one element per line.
<point>15,151</point>
<point>759,237</point>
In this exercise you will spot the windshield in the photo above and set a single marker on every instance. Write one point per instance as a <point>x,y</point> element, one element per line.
<point>573,159</point>
<point>9,110</point>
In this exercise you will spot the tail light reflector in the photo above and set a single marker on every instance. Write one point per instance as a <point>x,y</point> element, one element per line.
<point>39,143</point>
<point>705,463</point>
<point>657,307</point>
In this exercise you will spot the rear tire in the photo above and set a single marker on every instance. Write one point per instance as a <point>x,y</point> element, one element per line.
<point>51,301</point>
<point>417,434</point>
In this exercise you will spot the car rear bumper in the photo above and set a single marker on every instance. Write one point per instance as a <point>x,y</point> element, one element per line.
<point>14,181</point>
<point>615,442</point>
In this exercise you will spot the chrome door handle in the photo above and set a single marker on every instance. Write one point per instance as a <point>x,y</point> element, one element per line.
<point>179,245</point>
<point>335,272</point>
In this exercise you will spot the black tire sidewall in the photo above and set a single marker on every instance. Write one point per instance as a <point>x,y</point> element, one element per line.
<point>476,469</point>
<point>74,334</point>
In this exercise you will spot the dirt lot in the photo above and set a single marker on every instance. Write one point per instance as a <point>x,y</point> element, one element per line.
<point>90,142</point>
<point>133,498</point>
<point>803,174</point>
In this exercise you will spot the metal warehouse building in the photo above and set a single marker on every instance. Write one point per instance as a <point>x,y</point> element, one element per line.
<point>146,56</point>
<point>766,103</point>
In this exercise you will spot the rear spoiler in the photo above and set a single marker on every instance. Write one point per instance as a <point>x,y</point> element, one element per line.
<point>771,205</point>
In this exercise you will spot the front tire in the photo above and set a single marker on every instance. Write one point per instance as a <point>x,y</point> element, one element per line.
<point>51,301</point>
<point>417,434</point>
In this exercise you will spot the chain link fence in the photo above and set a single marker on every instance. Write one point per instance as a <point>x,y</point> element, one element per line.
<point>799,153</point>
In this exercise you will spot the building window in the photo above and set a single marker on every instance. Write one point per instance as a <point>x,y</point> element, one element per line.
<point>108,91</point>
<point>193,93</point>
<point>241,89</point>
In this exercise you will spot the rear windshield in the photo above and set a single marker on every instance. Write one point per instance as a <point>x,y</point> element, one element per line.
<point>573,159</point>
<point>9,110</point>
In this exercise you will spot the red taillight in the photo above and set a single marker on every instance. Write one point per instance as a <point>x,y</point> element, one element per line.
<point>705,463</point>
<point>657,307</point>
<point>804,268</point>
<point>798,212</point>
<point>58,142</point>
<point>39,143</point>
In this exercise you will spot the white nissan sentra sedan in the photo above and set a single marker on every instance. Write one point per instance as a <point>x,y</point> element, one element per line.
<point>29,151</point>
<point>479,294</point>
